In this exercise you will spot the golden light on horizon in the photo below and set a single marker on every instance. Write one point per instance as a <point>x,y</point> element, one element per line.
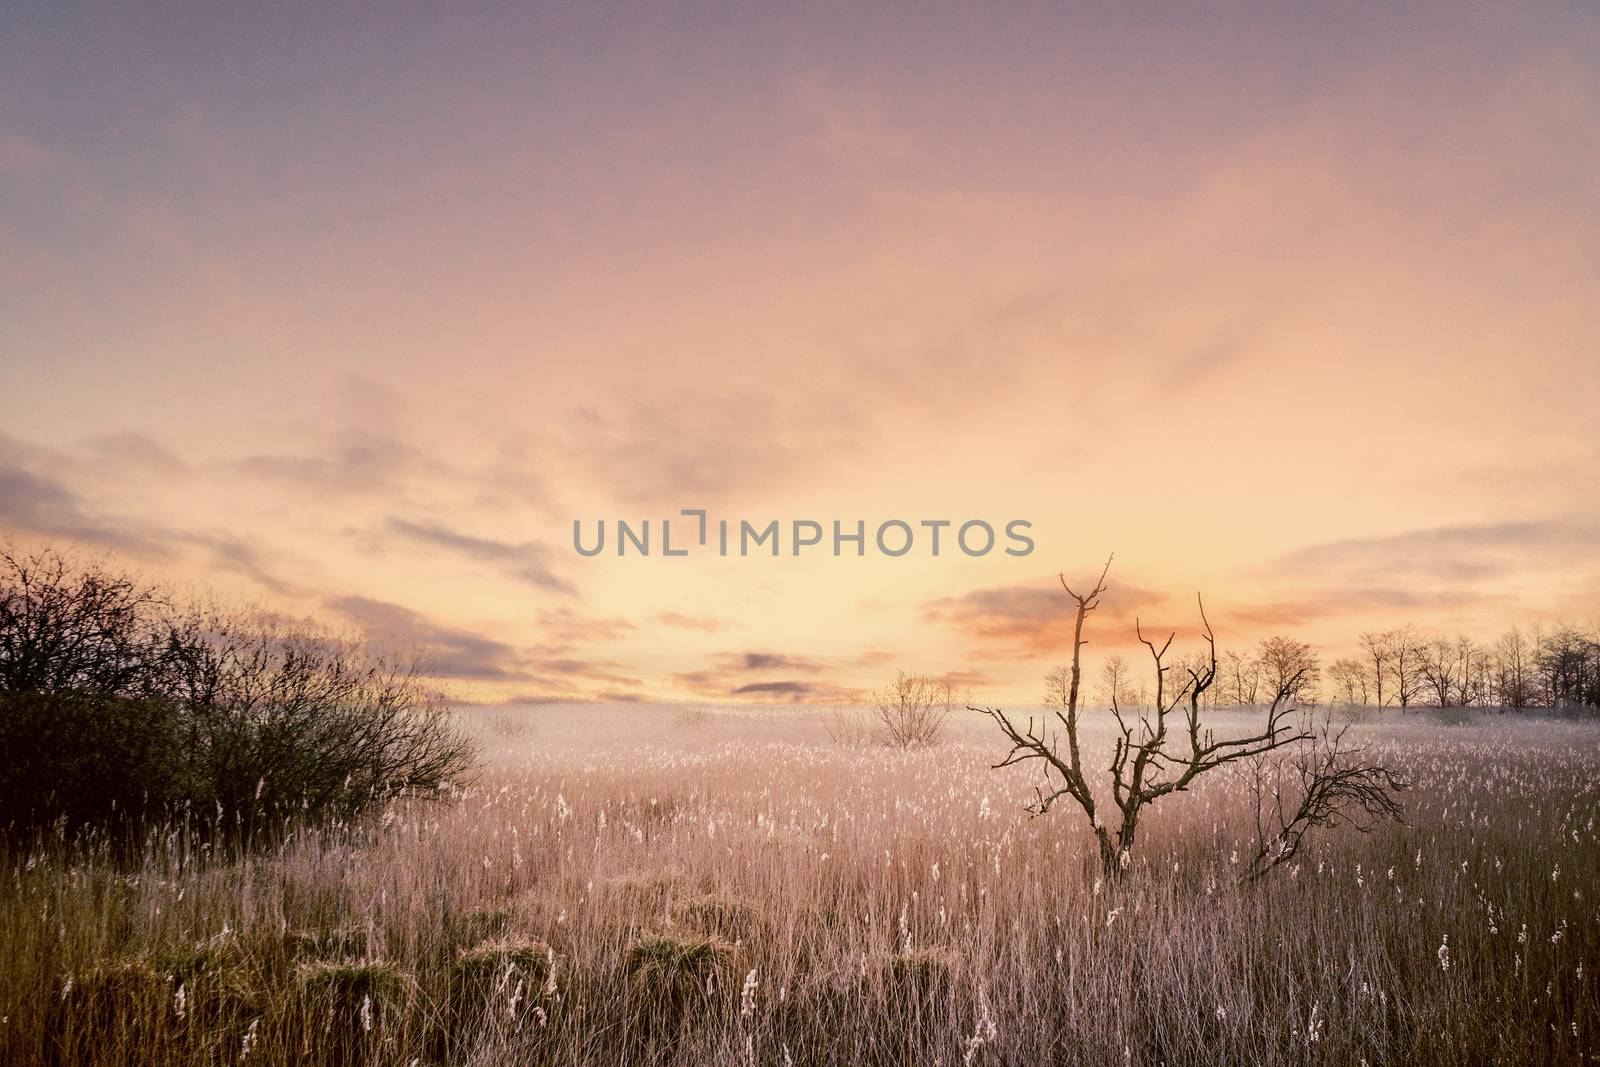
<point>1298,314</point>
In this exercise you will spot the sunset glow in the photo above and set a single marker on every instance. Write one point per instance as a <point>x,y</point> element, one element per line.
<point>356,322</point>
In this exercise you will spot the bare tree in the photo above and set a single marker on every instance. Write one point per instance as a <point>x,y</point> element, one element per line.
<point>1158,750</point>
<point>1472,661</point>
<point>1349,680</point>
<point>911,711</point>
<point>850,726</point>
<point>1057,687</point>
<point>1406,647</point>
<point>1438,667</point>
<point>1243,676</point>
<point>1379,649</point>
<point>1287,662</point>
<point>70,624</point>
<point>1512,666</point>
<point>1113,679</point>
<point>1324,781</point>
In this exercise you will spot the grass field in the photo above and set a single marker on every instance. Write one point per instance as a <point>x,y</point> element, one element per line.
<point>724,885</point>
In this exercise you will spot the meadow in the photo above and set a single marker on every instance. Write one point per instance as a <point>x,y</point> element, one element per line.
<point>728,885</point>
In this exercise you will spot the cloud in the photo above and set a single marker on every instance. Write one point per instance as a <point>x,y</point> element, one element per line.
<point>675,453</point>
<point>846,122</point>
<point>740,674</point>
<point>359,463</point>
<point>793,690</point>
<point>35,501</point>
<point>765,661</point>
<point>964,680</point>
<point>1337,602</point>
<point>1458,553</point>
<point>466,655</point>
<point>461,653</point>
<point>135,451</point>
<point>563,629</point>
<point>1033,619</point>
<point>1230,346</point>
<point>703,623</point>
<point>240,557</point>
<point>592,670</point>
<point>527,561</point>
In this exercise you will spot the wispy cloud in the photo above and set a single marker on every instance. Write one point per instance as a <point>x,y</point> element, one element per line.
<point>703,623</point>
<point>1457,553</point>
<point>1028,620</point>
<point>527,561</point>
<point>356,463</point>
<point>562,629</point>
<point>1338,602</point>
<point>34,500</point>
<point>674,451</point>
<point>460,653</point>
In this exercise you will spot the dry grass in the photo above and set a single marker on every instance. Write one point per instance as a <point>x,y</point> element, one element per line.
<point>635,886</point>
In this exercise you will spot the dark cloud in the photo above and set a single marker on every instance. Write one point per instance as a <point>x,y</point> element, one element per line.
<point>765,661</point>
<point>793,690</point>
<point>464,654</point>
<point>730,674</point>
<point>527,561</point>
<point>459,653</point>
<point>592,670</point>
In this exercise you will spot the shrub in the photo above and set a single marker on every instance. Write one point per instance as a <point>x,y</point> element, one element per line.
<point>116,702</point>
<point>87,757</point>
<point>911,711</point>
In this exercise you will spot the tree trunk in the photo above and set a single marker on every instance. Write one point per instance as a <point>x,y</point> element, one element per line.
<point>1112,850</point>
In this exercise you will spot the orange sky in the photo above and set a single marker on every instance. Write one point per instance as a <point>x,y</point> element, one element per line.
<point>354,314</point>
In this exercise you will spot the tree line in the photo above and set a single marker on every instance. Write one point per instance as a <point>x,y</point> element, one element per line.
<point>1406,667</point>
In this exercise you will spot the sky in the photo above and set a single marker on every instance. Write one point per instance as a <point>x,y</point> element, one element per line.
<point>349,311</point>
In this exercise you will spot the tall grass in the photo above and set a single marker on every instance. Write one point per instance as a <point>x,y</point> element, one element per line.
<point>729,887</point>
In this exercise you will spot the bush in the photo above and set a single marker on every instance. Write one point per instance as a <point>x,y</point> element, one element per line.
<point>116,704</point>
<point>911,711</point>
<point>90,758</point>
